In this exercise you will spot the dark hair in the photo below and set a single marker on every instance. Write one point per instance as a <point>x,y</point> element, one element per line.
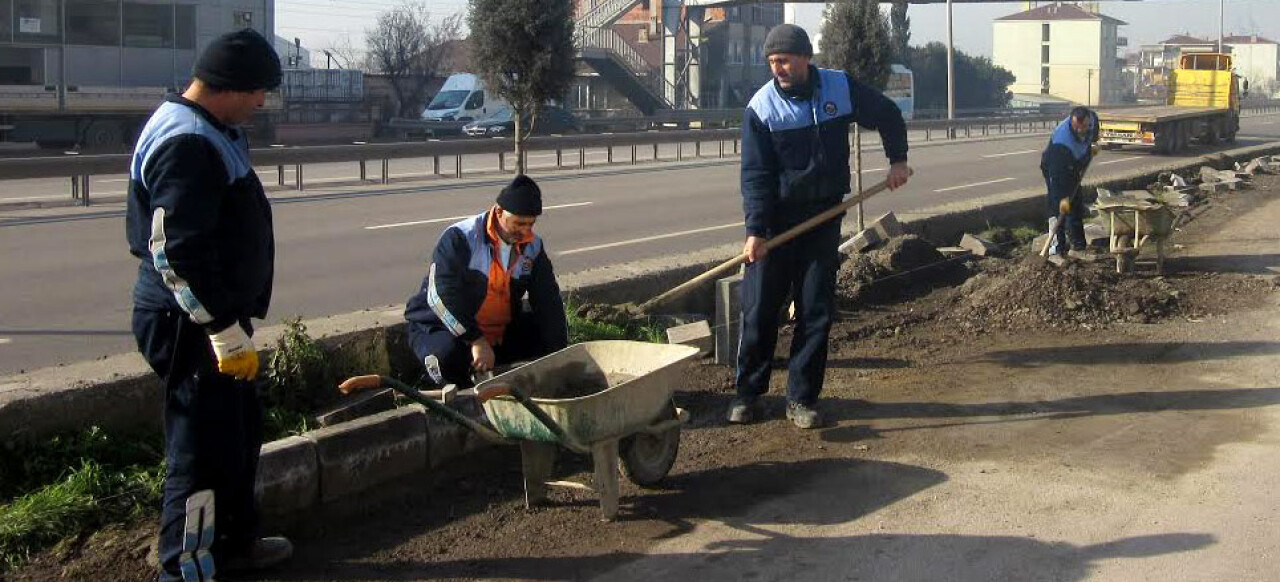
<point>1082,113</point>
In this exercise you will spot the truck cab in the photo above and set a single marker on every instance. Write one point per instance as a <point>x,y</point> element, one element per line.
<point>463,98</point>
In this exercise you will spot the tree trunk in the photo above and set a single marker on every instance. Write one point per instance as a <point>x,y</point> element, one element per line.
<point>518,135</point>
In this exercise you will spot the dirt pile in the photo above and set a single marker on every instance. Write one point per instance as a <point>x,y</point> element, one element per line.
<point>1028,293</point>
<point>902,267</point>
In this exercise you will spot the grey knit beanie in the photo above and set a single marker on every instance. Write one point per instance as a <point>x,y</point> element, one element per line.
<point>788,38</point>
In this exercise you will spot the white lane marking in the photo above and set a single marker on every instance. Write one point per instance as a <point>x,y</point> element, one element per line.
<point>1128,159</point>
<point>974,185</point>
<point>1010,154</point>
<point>457,218</point>
<point>5,340</point>
<point>649,238</point>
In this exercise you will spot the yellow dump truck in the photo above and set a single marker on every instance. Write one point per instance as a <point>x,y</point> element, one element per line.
<point>1203,104</point>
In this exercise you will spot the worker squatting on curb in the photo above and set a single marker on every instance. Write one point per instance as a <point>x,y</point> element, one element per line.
<point>795,164</point>
<point>200,223</point>
<point>468,314</point>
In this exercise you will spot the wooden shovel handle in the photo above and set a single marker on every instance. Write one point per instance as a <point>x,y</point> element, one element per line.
<point>358,383</point>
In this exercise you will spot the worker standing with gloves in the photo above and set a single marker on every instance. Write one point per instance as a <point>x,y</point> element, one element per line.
<point>795,164</point>
<point>1063,163</point>
<point>201,224</point>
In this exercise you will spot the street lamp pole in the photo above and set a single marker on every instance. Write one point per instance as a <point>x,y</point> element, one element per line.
<point>951,68</point>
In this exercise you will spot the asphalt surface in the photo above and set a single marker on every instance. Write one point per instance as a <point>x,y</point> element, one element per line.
<point>343,248</point>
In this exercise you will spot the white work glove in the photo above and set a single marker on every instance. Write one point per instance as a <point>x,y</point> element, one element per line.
<point>235,352</point>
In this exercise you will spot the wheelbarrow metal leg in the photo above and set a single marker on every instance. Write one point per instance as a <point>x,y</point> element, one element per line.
<point>605,457</point>
<point>536,462</point>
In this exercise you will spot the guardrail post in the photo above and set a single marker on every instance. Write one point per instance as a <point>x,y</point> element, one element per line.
<point>721,142</point>
<point>386,171</point>
<point>559,158</point>
<point>582,158</point>
<point>967,127</point>
<point>297,170</point>
<point>1015,126</point>
<point>655,152</point>
<point>75,187</point>
<point>697,149</point>
<point>435,165</point>
<point>735,146</point>
<point>927,134</point>
<point>280,175</point>
<point>609,150</point>
<point>633,154</point>
<point>679,151</point>
<point>84,190</point>
<point>1000,127</point>
<point>363,174</point>
<point>502,161</point>
<point>457,170</point>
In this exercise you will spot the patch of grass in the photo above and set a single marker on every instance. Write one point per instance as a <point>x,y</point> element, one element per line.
<point>72,484</point>
<point>1023,235</point>
<point>297,365</point>
<point>585,329</point>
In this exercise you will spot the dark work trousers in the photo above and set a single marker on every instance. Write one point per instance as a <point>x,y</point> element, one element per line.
<point>805,269</point>
<point>520,342</point>
<point>213,435</point>
<point>1071,234</point>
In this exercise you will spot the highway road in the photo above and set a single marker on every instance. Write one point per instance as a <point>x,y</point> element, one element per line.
<point>341,248</point>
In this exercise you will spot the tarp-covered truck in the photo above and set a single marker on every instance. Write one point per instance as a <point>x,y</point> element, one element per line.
<point>1203,104</point>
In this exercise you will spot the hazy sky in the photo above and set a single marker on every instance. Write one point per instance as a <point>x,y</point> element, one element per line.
<point>322,23</point>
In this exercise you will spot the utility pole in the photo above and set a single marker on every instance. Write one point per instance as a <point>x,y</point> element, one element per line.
<point>951,72</point>
<point>1221,13</point>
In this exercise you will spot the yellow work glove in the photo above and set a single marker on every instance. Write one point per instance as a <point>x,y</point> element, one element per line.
<point>1094,149</point>
<point>1064,206</point>
<point>235,352</point>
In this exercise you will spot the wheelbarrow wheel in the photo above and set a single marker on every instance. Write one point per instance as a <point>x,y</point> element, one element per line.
<point>645,459</point>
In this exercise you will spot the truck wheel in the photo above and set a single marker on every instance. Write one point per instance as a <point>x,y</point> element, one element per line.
<point>1164,139</point>
<point>103,135</point>
<point>1211,132</point>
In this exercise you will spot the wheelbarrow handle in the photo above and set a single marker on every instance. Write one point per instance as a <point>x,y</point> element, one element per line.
<point>373,381</point>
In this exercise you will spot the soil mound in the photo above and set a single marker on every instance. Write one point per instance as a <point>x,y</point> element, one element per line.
<point>902,267</point>
<point>1032,294</point>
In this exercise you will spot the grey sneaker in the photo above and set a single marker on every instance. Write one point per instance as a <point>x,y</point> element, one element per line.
<point>1057,260</point>
<point>803,416</point>
<point>263,554</point>
<point>743,411</point>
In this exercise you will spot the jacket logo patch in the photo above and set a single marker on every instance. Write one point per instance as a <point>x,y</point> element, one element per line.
<point>829,107</point>
<point>526,265</point>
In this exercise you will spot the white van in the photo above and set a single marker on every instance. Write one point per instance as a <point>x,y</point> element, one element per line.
<point>463,98</point>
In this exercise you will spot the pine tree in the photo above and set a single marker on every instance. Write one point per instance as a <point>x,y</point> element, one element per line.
<point>900,25</point>
<point>523,49</point>
<point>855,38</point>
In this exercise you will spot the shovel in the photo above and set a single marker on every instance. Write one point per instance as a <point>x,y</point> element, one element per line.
<point>770,244</point>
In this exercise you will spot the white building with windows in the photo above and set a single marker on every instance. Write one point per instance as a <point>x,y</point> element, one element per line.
<point>116,43</point>
<point>1257,60</point>
<point>1061,50</point>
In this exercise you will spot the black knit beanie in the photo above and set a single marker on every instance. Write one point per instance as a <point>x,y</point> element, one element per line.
<point>239,61</point>
<point>522,196</point>
<point>788,38</point>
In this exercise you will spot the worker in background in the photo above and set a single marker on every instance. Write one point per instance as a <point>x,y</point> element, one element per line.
<point>1063,163</point>
<point>200,223</point>
<point>795,164</point>
<point>468,315</point>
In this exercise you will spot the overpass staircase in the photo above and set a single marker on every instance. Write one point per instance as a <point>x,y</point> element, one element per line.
<point>616,61</point>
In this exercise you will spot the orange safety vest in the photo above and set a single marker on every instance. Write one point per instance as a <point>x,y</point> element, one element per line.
<point>495,311</point>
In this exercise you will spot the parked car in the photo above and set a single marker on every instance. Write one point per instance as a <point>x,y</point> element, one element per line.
<point>551,120</point>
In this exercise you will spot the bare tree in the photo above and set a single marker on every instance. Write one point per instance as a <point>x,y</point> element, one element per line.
<point>524,51</point>
<point>408,48</point>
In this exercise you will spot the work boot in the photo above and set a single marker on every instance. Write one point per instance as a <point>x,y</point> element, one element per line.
<point>1057,260</point>
<point>803,415</point>
<point>263,553</point>
<point>743,410</point>
<point>1083,255</point>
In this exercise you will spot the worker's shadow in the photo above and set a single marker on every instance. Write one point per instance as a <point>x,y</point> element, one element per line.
<point>1129,353</point>
<point>777,556</point>
<point>1035,410</point>
<point>1264,264</point>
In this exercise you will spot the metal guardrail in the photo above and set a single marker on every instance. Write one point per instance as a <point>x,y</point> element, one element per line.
<point>725,142</point>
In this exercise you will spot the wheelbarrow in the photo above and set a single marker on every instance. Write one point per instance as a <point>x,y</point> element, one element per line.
<point>1133,223</point>
<point>608,399</point>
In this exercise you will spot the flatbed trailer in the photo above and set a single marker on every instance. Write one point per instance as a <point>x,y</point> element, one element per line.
<point>1203,105</point>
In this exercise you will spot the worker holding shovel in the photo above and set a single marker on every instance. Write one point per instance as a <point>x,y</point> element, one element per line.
<point>795,165</point>
<point>1063,164</point>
